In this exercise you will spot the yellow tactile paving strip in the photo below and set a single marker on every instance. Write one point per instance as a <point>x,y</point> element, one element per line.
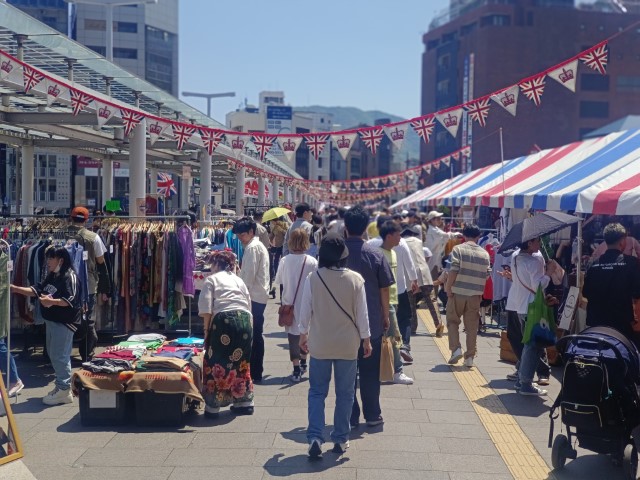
<point>521,457</point>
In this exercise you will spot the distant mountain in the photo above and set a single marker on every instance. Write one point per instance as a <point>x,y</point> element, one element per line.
<point>349,117</point>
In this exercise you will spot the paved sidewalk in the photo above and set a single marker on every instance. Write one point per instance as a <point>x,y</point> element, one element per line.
<point>432,430</point>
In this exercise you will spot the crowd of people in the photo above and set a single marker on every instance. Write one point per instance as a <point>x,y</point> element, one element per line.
<point>349,281</point>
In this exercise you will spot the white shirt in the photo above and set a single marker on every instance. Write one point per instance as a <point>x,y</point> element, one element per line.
<point>436,240</point>
<point>288,274</point>
<point>98,247</point>
<point>528,270</point>
<point>255,270</point>
<point>223,292</point>
<point>406,268</point>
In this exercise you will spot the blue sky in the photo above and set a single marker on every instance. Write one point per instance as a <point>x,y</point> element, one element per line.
<point>359,53</point>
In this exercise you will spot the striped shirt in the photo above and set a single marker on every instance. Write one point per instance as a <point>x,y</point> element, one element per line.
<point>471,261</point>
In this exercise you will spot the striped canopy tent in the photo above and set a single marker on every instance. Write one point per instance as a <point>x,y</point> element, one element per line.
<point>600,175</point>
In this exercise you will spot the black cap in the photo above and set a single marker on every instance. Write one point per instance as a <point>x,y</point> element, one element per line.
<point>333,248</point>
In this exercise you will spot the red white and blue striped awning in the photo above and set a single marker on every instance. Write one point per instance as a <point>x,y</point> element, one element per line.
<point>600,175</point>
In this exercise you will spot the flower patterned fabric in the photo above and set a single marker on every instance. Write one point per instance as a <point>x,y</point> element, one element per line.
<point>227,376</point>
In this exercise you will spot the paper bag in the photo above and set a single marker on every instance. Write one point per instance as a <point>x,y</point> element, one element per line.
<point>386,361</point>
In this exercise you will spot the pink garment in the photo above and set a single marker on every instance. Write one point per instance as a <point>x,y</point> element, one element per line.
<point>185,239</point>
<point>632,246</point>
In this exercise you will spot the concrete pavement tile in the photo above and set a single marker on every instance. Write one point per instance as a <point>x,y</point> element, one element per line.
<point>392,474</point>
<point>226,473</point>
<point>399,460</point>
<point>422,374</point>
<point>268,412</point>
<point>264,401</point>
<point>123,457</point>
<point>444,394</point>
<point>458,462</point>
<point>16,470</point>
<point>278,461</point>
<point>230,423</point>
<point>139,473</point>
<point>417,416</point>
<point>438,385</point>
<point>450,405</point>
<point>449,417</point>
<point>53,455</point>
<point>152,439</point>
<point>286,425</point>
<point>396,428</point>
<point>72,439</point>
<point>478,476</point>
<point>396,443</point>
<point>393,403</point>
<point>205,455</point>
<point>271,390</point>
<point>469,446</point>
<point>234,440</point>
<point>49,472</point>
<point>329,473</point>
<point>399,391</point>
<point>453,431</point>
<point>294,401</point>
<point>291,441</point>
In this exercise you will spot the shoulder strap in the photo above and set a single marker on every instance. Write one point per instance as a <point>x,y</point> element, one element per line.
<point>338,303</point>
<point>304,262</point>
<point>515,267</point>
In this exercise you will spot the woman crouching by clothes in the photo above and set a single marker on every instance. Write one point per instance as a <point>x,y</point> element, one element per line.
<point>225,306</point>
<point>334,324</point>
<point>62,313</point>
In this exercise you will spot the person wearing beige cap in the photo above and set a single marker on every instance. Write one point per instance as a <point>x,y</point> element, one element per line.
<point>98,277</point>
<point>436,241</point>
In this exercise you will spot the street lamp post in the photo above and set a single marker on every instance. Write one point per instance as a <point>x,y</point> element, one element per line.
<point>209,96</point>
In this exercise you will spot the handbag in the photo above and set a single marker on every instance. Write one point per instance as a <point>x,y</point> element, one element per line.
<point>387,369</point>
<point>285,312</point>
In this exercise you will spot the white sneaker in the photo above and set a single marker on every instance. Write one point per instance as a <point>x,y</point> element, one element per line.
<point>455,356</point>
<point>340,448</point>
<point>15,389</point>
<point>402,379</point>
<point>315,449</point>
<point>58,397</point>
<point>468,362</point>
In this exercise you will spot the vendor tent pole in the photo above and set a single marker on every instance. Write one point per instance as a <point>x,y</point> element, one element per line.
<point>502,162</point>
<point>579,263</point>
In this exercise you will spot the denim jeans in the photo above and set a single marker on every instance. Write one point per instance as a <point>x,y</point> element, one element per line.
<point>13,371</point>
<point>344,372</point>
<point>369,369</point>
<point>396,340</point>
<point>257,347</point>
<point>59,344</point>
<point>515,326</point>
<point>528,362</point>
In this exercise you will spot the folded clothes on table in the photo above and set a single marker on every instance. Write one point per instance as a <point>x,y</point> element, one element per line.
<point>161,364</point>
<point>187,342</point>
<point>122,354</point>
<point>184,354</point>
<point>107,365</point>
<point>147,337</point>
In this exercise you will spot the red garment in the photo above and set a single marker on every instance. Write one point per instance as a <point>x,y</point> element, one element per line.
<point>125,354</point>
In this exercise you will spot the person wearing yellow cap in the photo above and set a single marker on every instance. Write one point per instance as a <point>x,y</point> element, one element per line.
<point>98,278</point>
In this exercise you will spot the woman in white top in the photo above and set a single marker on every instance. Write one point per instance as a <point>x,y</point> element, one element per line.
<point>225,306</point>
<point>292,272</point>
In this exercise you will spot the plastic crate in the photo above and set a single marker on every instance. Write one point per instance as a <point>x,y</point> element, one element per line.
<point>92,415</point>
<point>160,409</point>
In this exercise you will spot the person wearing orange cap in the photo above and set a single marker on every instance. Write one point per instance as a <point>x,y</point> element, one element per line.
<point>98,277</point>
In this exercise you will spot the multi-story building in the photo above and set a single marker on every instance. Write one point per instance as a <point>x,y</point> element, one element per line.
<point>145,42</point>
<point>480,46</point>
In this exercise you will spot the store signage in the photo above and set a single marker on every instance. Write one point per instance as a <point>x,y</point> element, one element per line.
<point>251,188</point>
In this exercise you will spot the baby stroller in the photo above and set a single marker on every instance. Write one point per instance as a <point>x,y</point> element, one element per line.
<point>599,399</point>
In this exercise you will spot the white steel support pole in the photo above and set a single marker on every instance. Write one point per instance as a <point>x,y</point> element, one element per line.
<point>240,191</point>
<point>205,185</point>
<point>275,186</point>
<point>261,201</point>
<point>137,169</point>
<point>185,184</point>
<point>285,192</point>
<point>109,31</point>
<point>107,181</point>
<point>28,169</point>
<point>153,180</point>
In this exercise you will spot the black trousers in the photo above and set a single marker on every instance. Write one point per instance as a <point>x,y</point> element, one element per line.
<point>257,347</point>
<point>404,317</point>
<point>514,335</point>
<point>87,345</point>
<point>369,373</point>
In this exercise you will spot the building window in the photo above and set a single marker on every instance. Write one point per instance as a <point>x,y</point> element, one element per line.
<point>431,44</point>
<point>127,27</point>
<point>591,109</point>
<point>130,53</point>
<point>530,19</point>
<point>467,29</point>
<point>443,87</point>
<point>495,20</point>
<point>594,83</point>
<point>99,50</point>
<point>444,62</point>
<point>627,83</point>
<point>355,166</point>
<point>320,162</point>
<point>94,24</point>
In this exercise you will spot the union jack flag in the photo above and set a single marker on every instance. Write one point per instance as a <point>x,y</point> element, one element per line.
<point>130,119</point>
<point>424,127</point>
<point>31,78</point>
<point>316,143</point>
<point>211,139</point>
<point>263,144</point>
<point>79,101</point>
<point>372,138</point>
<point>533,89</point>
<point>597,58</point>
<point>165,185</point>
<point>182,134</point>
<point>479,110</point>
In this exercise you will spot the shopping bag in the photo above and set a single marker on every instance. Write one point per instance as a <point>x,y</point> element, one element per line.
<point>386,361</point>
<point>540,327</point>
